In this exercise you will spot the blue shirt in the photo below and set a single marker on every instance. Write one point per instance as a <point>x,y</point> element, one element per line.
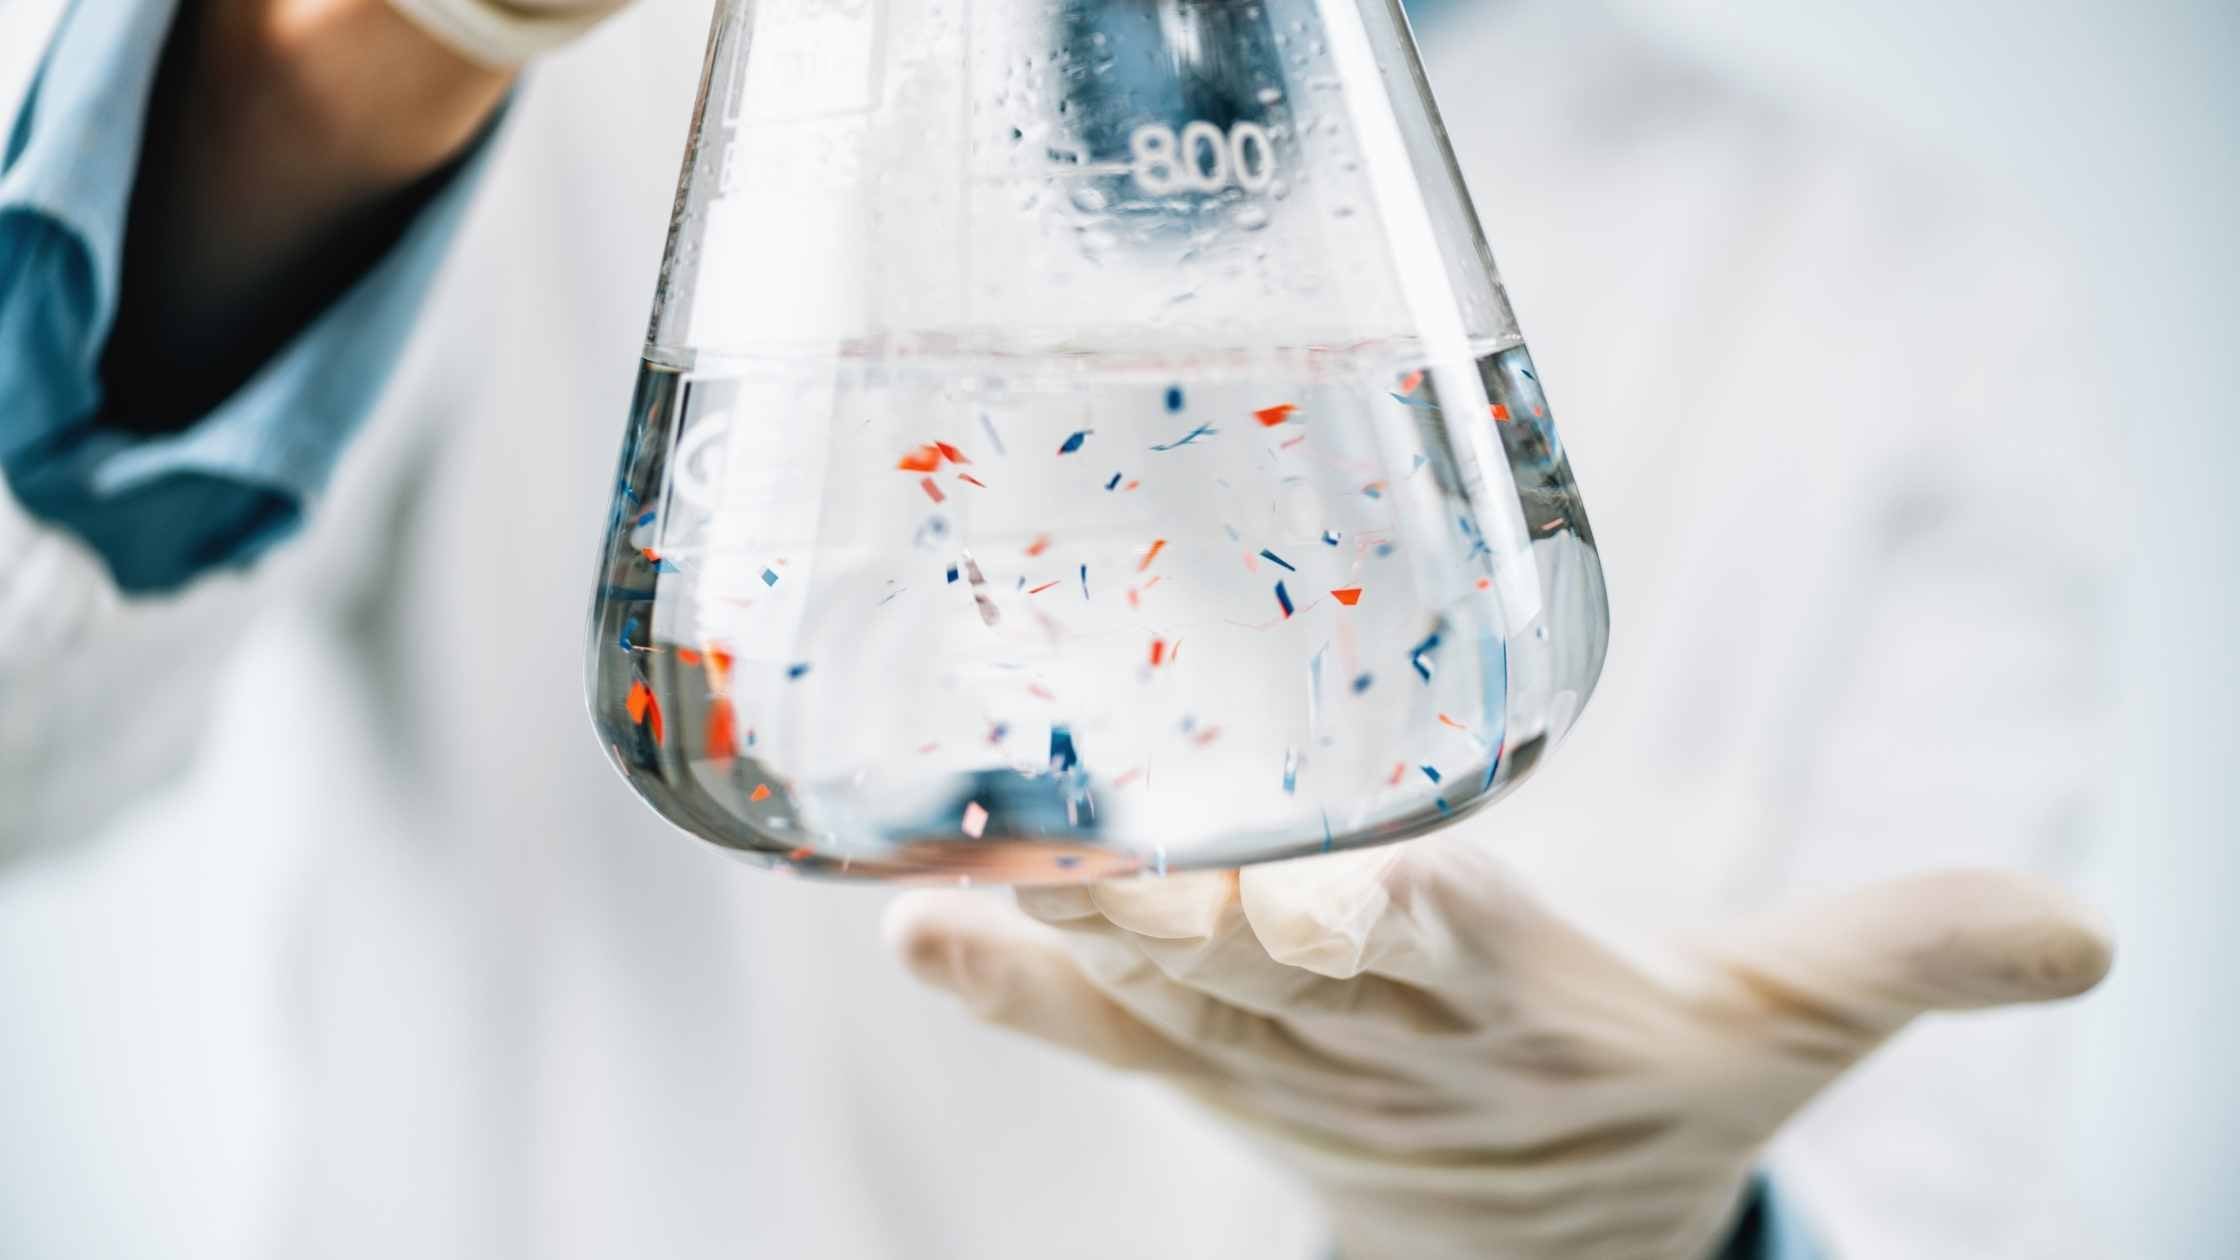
<point>162,509</point>
<point>165,509</point>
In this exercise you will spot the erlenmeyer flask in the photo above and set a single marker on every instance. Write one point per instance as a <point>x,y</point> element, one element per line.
<point>1079,438</point>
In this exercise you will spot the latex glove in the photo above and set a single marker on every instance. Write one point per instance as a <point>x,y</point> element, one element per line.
<point>1457,1071</point>
<point>504,33</point>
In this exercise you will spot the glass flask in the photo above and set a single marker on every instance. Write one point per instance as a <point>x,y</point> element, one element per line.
<point>1081,438</point>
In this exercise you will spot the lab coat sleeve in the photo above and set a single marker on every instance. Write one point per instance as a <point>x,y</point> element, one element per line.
<point>124,560</point>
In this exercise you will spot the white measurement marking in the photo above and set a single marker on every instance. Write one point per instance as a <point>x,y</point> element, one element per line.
<point>1201,159</point>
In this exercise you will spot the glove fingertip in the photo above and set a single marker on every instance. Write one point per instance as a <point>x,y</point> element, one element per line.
<point>922,929</point>
<point>2024,940</point>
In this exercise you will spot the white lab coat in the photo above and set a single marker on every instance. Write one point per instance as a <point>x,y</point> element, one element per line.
<point>325,930</point>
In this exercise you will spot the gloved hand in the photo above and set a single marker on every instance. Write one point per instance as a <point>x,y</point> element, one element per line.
<point>505,33</point>
<point>1461,1073</point>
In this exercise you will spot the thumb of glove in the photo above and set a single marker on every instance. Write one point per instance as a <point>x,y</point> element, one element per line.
<point>1944,941</point>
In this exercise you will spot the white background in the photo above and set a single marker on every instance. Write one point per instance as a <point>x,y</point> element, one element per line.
<point>2122,122</point>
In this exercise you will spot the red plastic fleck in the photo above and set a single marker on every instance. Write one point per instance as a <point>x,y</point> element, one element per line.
<point>933,491</point>
<point>723,736</point>
<point>1157,545</point>
<point>921,459</point>
<point>1270,417</point>
<point>761,792</point>
<point>1349,595</point>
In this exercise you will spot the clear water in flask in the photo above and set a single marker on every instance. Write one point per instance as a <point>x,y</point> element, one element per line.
<point>1076,440</point>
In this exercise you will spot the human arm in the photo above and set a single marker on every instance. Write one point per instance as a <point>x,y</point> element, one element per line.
<point>131,524</point>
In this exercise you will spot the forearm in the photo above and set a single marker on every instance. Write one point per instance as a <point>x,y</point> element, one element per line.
<point>288,143</point>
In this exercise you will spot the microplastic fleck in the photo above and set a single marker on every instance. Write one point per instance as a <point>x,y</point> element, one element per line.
<point>1073,441</point>
<point>722,736</point>
<point>989,614</point>
<point>1158,652</point>
<point>1500,411</point>
<point>1430,772</point>
<point>1416,654</point>
<point>1374,490</point>
<point>1270,417</point>
<point>797,669</point>
<point>1409,382</point>
<point>1290,771</point>
<point>1040,544</point>
<point>952,573</point>
<point>1329,538</point>
<point>769,577</point>
<point>645,519</point>
<point>1203,430</point>
<point>971,480</point>
<point>920,459</point>
<point>975,819</point>
<point>1283,598</point>
<point>1157,545</point>
<point>629,627</point>
<point>1084,581</point>
<point>761,792</point>
<point>1114,482</point>
<point>1268,555</point>
<point>990,427</point>
<point>1362,683</point>
<point>1040,589</point>
<point>1062,755</point>
<point>1347,595</point>
<point>1444,720</point>
<point>1174,398</point>
<point>951,453</point>
<point>932,490</point>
